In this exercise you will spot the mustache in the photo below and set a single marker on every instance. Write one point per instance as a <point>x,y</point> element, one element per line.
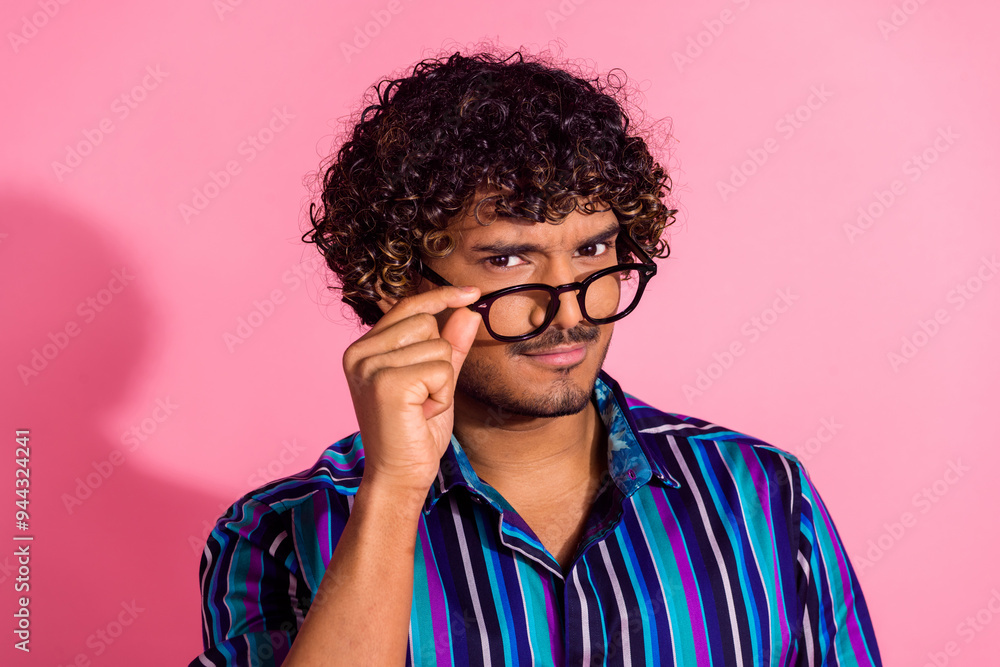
<point>554,338</point>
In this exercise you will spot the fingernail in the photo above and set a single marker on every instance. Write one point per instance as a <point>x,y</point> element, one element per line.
<point>468,289</point>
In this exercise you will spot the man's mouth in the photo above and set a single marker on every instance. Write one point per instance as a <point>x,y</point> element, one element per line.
<point>564,355</point>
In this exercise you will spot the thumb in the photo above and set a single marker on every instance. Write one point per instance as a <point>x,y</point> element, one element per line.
<point>460,330</point>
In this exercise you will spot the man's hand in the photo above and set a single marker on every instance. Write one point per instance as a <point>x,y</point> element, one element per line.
<point>402,376</point>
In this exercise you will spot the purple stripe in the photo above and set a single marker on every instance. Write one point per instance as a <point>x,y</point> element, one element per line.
<point>633,402</point>
<point>343,467</point>
<point>760,483</point>
<point>699,633</point>
<point>435,598</point>
<point>254,572</point>
<point>321,516</point>
<point>239,578</point>
<point>343,464</point>
<point>555,624</point>
<point>346,460</point>
<point>853,631</point>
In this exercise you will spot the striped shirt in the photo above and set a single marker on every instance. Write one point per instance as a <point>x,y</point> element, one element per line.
<point>704,547</point>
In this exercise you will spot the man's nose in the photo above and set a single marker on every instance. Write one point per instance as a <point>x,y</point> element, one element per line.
<point>568,314</point>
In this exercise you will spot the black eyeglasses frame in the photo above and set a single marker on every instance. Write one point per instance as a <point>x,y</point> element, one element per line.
<point>645,270</point>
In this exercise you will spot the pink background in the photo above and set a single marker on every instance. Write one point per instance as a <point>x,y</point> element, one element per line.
<point>881,94</point>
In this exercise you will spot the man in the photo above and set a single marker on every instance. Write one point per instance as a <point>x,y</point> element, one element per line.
<point>504,501</point>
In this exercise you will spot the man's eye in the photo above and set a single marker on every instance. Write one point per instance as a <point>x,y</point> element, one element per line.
<point>594,249</point>
<point>503,261</point>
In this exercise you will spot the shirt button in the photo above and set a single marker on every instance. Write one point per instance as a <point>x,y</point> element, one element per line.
<point>631,474</point>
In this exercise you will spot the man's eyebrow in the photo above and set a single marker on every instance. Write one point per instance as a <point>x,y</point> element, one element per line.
<point>515,248</point>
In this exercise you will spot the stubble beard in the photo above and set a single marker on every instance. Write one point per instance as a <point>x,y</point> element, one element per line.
<point>483,381</point>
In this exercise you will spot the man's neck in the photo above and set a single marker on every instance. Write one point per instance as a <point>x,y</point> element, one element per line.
<point>525,457</point>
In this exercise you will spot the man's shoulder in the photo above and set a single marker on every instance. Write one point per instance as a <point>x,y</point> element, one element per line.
<point>337,471</point>
<point>295,506</point>
<point>670,431</point>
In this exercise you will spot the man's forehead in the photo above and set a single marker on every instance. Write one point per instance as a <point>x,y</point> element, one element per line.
<point>576,226</point>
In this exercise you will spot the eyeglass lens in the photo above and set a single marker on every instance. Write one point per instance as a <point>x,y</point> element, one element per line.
<point>523,312</point>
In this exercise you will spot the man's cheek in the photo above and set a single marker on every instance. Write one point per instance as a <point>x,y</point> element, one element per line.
<point>482,335</point>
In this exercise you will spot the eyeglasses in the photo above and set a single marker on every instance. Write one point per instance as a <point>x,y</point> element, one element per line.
<point>605,296</point>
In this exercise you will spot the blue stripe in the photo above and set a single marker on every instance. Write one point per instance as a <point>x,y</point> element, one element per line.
<point>759,517</point>
<point>499,590</point>
<point>639,585</point>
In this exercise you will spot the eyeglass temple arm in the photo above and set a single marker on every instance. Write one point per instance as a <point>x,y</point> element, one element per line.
<point>643,256</point>
<point>428,272</point>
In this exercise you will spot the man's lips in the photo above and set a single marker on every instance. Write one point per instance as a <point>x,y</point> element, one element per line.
<point>559,356</point>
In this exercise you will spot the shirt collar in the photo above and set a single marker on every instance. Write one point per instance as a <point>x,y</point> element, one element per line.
<point>633,458</point>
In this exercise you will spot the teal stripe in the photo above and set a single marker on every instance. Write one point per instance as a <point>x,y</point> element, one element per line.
<point>676,606</point>
<point>595,599</point>
<point>830,556</point>
<point>312,566</point>
<point>500,601</point>
<point>761,537</point>
<point>680,592</point>
<point>651,559</point>
<point>649,637</point>
<point>726,512</point>
<point>517,532</point>
<point>421,625</point>
<point>533,591</point>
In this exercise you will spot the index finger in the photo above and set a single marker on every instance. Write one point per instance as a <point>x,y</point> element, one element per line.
<point>432,302</point>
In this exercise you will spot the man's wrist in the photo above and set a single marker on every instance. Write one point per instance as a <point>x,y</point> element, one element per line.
<point>384,497</point>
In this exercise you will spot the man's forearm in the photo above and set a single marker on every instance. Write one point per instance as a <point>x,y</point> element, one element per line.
<point>361,613</point>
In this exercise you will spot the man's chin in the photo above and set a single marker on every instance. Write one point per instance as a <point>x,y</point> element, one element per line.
<point>535,391</point>
<point>532,385</point>
<point>561,398</point>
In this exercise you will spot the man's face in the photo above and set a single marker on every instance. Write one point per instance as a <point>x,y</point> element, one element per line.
<point>516,377</point>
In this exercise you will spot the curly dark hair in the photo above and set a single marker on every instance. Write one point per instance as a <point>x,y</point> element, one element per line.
<point>543,139</point>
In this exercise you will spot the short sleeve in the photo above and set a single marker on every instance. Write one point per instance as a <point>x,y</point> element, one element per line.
<point>253,596</point>
<point>836,627</point>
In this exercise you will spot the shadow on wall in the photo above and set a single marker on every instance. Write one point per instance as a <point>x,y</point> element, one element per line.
<point>113,576</point>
